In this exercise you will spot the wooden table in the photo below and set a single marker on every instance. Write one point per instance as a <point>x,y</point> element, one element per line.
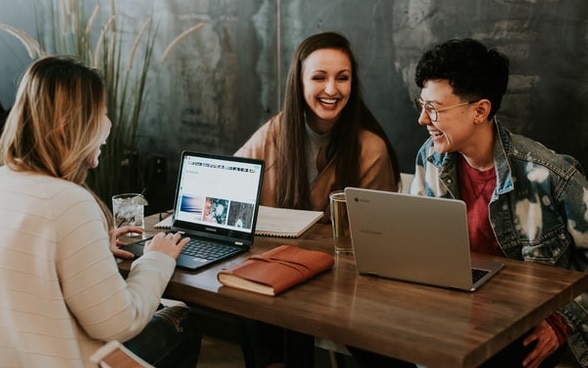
<point>431,326</point>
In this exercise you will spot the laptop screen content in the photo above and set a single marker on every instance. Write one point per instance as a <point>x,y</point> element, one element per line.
<point>217,193</point>
<point>216,205</point>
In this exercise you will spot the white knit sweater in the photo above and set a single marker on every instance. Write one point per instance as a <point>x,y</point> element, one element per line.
<point>61,294</point>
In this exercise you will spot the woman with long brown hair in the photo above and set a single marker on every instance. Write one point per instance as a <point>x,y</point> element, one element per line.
<point>325,138</point>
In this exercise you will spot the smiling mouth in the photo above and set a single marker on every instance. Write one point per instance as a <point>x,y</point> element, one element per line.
<point>436,134</point>
<point>328,101</point>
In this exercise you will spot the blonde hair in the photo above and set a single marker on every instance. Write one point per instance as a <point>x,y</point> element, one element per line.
<point>56,124</point>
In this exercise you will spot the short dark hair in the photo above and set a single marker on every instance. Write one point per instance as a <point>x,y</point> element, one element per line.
<point>473,70</point>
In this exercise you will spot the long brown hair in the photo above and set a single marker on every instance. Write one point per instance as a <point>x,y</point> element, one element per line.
<point>293,189</point>
<point>56,121</point>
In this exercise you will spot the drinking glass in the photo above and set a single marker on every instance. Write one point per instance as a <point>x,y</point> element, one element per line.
<point>340,223</point>
<point>129,209</point>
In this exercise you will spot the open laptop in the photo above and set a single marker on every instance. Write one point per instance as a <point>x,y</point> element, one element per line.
<point>216,204</point>
<point>414,238</point>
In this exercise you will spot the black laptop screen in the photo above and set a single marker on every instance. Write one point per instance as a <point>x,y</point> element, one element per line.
<point>218,194</point>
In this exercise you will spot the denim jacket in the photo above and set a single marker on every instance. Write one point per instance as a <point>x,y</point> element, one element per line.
<point>538,210</point>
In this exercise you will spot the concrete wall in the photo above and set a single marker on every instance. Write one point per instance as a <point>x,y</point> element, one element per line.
<point>227,79</point>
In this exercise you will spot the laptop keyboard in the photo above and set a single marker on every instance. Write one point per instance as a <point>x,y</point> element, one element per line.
<point>477,274</point>
<point>206,250</point>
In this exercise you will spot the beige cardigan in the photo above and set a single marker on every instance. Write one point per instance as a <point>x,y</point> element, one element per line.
<point>375,167</point>
<point>61,294</point>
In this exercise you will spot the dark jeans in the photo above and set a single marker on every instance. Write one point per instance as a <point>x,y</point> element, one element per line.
<point>170,339</point>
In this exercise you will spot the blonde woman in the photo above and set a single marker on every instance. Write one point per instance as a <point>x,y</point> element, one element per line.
<point>62,295</point>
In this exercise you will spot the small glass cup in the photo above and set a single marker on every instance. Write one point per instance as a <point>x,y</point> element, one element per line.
<point>129,209</point>
<point>340,223</point>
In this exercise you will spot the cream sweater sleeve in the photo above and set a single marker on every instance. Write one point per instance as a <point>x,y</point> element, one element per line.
<point>104,304</point>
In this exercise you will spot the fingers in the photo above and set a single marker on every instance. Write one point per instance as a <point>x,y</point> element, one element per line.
<point>158,235</point>
<point>170,243</point>
<point>120,231</point>
<point>530,338</point>
<point>170,237</point>
<point>183,242</point>
<point>546,344</point>
<point>177,239</point>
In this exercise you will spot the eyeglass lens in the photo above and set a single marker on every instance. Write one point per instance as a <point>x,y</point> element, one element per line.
<point>429,110</point>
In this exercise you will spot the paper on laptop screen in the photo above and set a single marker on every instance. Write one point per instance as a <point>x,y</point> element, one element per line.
<point>218,192</point>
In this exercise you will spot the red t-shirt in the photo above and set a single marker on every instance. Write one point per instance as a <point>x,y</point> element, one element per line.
<point>476,188</point>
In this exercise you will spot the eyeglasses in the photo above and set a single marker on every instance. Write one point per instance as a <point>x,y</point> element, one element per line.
<point>432,111</point>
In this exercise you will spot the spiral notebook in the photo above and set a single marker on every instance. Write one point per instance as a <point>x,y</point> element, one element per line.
<point>271,221</point>
<point>285,222</point>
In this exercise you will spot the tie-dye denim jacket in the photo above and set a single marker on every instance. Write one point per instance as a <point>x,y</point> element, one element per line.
<point>538,210</point>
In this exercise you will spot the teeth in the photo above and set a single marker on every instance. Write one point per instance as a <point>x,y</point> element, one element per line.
<point>436,134</point>
<point>329,101</point>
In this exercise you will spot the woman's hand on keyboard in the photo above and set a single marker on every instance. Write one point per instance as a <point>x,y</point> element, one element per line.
<point>170,244</point>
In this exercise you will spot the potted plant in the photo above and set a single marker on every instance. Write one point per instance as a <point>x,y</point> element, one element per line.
<point>124,69</point>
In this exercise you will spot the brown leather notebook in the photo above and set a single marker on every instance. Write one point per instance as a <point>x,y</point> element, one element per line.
<point>276,270</point>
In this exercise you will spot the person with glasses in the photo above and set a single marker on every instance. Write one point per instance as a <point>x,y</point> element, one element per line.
<point>524,201</point>
<point>432,111</point>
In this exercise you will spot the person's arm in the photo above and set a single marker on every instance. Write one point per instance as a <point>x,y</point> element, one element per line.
<point>559,327</point>
<point>104,305</point>
<point>376,166</point>
<point>574,204</point>
<point>261,144</point>
<point>116,243</point>
<point>546,343</point>
<point>574,201</point>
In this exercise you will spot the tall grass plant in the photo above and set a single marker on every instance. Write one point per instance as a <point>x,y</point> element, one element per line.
<point>123,58</point>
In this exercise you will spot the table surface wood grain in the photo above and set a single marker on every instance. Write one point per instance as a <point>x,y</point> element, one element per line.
<point>427,325</point>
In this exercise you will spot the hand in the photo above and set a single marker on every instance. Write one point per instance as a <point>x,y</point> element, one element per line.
<point>170,244</point>
<point>115,243</point>
<point>547,344</point>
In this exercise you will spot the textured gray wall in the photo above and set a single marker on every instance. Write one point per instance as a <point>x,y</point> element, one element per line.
<point>227,79</point>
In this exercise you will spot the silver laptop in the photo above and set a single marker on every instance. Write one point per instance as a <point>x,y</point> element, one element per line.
<point>413,238</point>
<point>216,205</point>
